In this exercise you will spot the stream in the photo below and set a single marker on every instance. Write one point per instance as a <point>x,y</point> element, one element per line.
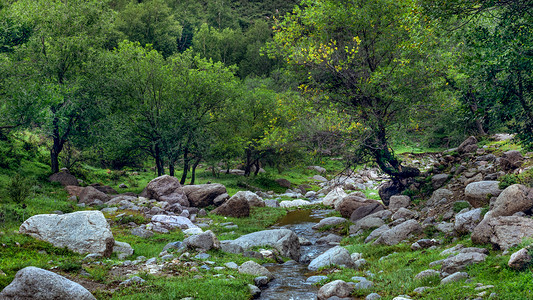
<point>290,278</point>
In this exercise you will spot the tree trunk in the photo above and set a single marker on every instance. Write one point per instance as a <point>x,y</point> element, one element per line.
<point>171,168</point>
<point>158,161</point>
<point>257,167</point>
<point>57,146</point>
<point>185,165</point>
<point>193,172</point>
<point>248,166</point>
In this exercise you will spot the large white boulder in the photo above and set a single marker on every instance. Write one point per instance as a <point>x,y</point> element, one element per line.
<point>82,231</point>
<point>38,284</point>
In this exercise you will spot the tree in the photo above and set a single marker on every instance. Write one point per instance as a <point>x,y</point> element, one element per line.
<point>44,82</point>
<point>365,57</point>
<point>493,73</point>
<point>150,22</point>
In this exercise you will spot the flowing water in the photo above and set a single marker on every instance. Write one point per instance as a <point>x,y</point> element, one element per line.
<point>290,278</point>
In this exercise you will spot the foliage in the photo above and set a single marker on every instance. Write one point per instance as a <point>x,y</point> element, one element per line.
<point>370,73</point>
<point>18,188</point>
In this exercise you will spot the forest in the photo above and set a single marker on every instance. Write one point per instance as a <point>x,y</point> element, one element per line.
<point>248,93</point>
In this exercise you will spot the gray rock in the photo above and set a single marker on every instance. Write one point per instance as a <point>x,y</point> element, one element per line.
<point>445,227</point>
<point>65,178</point>
<point>336,256</point>
<point>330,238</point>
<point>234,207</point>
<point>439,196</point>
<point>135,280</point>
<point>427,273</point>
<point>330,221</point>
<point>202,256</point>
<point>202,195</point>
<point>503,232</point>
<point>122,249</point>
<point>166,188</point>
<point>397,202</point>
<point>458,262</point>
<point>511,160</point>
<point>366,223</point>
<point>404,213</point>
<point>363,284</point>
<point>319,178</point>
<point>466,145</point>
<point>253,268</point>
<point>366,210</point>
<point>231,265</point>
<point>82,231</point>
<point>317,168</point>
<point>90,194</point>
<point>108,210</point>
<point>271,203</point>
<point>294,203</point>
<point>261,281</point>
<point>336,288</point>
<point>458,276</point>
<point>421,290</point>
<point>174,221</point>
<point>438,180</point>
<point>467,221</point>
<point>39,284</point>
<point>478,193</point>
<point>229,247</point>
<point>520,259</point>
<point>254,290</point>
<point>172,245</point>
<point>515,198</point>
<point>204,241</point>
<point>359,264</point>
<point>251,197</point>
<point>334,196</point>
<point>283,240</point>
<point>399,233</point>
<point>376,233</point>
<point>372,296</point>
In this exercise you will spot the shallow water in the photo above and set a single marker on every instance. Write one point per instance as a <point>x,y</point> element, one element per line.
<point>290,278</point>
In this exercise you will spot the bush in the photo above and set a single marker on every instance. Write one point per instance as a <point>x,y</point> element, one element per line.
<point>18,188</point>
<point>507,180</point>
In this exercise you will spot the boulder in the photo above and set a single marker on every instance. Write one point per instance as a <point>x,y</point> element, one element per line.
<point>336,256</point>
<point>283,182</point>
<point>220,199</point>
<point>251,197</point>
<point>105,189</point>
<point>174,221</point>
<point>82,231</point>
<point>503,232</point>
<point>515,198</point>
<point>399,201</point>
<point>458,262</point>
<point>467,145</point>
<point>74,190</point>
<point>347,205</point>
<point>377,233</point>
<point>330,238</point>
<point>520,259</point>
<point>404,213</point>
<point>253,268</point>
<point>511,160</point>
<point>203,241</point>
<point>467,221</point>
<point>293,203</point>
<point>234,207</point>
<point>166,188</point>
<point>455,277</point>
<point>399,233</point>
<point>439,196</point>
<point>478,194</point>
<point>366,223</point>
<point>39,284</point>
<point>89,194</point>
<point>319,178</point>
<point>427,273</point>
<point>366,210</point>
<point>334,196</point>
<point>142,232</point>
<point>284,240</point>
<point>330,221</point>
<point>337,288</point>
<point>203,195</point>
<point>272,203</point>
<point>65,178</point>
<point>438,180</point>
<point>122,249</point>
<point>389,189</point>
